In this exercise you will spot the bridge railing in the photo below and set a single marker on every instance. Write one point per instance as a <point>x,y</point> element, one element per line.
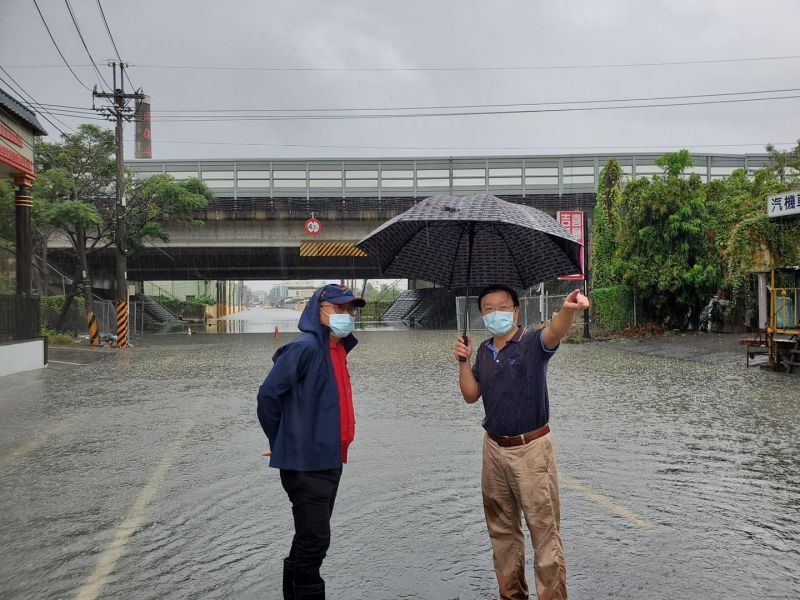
<point>417,177</point>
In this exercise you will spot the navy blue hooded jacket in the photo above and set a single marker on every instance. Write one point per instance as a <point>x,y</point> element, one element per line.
<point>298,403</point>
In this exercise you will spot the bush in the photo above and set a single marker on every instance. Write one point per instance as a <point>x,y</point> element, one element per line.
<point>54,338</point>
<point>612,307</point>
<point>190,310</point>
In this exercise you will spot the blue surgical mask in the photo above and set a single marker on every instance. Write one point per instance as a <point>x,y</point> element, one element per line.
<point>342,325</point>
<point>498,322</point>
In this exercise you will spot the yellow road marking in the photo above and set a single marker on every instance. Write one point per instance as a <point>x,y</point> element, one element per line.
<point>32,444</point>
<point>605,502</point>
<point>93,584</point>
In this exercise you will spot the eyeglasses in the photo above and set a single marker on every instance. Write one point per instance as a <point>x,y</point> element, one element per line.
<point>340,309</point>
<point>504,308</point>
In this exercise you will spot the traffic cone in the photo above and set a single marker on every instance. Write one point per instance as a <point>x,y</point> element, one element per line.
<point>189,331</point>
<point>277,333</point>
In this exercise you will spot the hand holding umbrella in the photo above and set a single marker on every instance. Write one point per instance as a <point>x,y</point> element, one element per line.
<point>462,351</point>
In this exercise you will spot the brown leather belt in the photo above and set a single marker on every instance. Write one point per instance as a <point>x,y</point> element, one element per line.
<point>519,440</point>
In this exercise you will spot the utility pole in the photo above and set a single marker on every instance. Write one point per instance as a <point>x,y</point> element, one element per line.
<point>119,111</point>
<point>586,274</point>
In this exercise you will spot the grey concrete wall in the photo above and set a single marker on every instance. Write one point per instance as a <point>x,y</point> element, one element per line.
<point>21,356</point>
<point>251,234</point>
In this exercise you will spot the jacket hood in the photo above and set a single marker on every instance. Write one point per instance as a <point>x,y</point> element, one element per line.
<point>309,319</point>
<point>310,323</point>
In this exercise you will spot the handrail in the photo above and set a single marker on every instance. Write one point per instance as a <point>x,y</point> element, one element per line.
<point>166,293</point>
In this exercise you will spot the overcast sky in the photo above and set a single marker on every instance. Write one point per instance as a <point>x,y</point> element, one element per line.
<point>418,36</point>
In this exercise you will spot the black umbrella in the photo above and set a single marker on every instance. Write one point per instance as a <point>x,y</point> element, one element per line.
<point>461,241</point>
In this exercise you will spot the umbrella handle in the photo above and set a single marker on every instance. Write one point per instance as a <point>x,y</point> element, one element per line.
<point>464,339</point>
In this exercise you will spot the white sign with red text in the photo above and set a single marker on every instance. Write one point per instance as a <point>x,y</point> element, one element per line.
<point>572,221</point>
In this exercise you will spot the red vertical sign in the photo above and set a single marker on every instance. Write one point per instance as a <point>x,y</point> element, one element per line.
<point>144,136</point>
<point>572,221</point>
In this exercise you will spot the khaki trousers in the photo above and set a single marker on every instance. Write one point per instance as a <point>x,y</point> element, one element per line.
<point>522,481</point>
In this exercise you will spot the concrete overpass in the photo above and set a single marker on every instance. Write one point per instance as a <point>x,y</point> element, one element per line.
<point>254,228</point>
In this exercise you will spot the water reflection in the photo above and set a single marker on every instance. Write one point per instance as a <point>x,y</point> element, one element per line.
<point>707,453</point>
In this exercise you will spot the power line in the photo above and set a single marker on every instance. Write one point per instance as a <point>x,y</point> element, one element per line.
<point>42,112</point>
<point>67,107</point>
<point>83,41</point>
<point>187,113</point>
<point>469,106</point>
<point>57,48</point>
<point>221,119</point>
<point>113,43</point>
<point>458,68</point>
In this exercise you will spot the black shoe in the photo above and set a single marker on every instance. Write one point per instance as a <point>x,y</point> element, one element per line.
<point>288,579</point>
<point>310,592</point>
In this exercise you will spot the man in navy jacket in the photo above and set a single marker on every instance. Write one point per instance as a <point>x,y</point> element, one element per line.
<point>305,408</point>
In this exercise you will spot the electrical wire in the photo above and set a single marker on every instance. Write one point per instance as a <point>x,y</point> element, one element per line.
<point>476,106</point>
<point>113,43</point>
<point>44,22</point>
<point>83,41</point>
<point>221,119</point>
<point>228,113</point>
<point>43,113</point>
<point>714,61</point>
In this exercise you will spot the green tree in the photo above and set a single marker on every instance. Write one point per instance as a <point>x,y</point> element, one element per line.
<point>606,226</point>
<point>675,163</point>
<point>160,199</point>
<point>745,230</point>
<point>74,195</point>
<point>668,253</point>
<point>785,164</point>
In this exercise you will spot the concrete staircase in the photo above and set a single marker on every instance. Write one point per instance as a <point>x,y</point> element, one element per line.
<point>154,312</point>
<point>430,308</point>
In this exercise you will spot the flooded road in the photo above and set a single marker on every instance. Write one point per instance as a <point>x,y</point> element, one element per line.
<point>139,475</point>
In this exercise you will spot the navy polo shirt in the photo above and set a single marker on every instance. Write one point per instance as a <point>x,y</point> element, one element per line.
<point>513,383</point>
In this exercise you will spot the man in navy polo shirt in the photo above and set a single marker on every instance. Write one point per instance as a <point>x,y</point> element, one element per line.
<point>305,407</point>
<point>519,476</point>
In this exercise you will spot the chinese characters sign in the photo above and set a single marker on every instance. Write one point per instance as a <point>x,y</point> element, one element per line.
<point>144,142</point>
<point>783,205</point>
<point>572,221</point>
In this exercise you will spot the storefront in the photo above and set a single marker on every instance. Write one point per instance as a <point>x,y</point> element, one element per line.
<point>18,129</point>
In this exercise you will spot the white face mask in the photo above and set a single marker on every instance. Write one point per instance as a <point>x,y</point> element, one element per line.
<point>499,322</point>
<point>342,325</point>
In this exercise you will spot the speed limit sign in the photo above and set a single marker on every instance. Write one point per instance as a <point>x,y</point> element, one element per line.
<point>313,227</point>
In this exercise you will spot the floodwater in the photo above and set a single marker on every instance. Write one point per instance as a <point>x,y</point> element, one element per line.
<point>139,475</point>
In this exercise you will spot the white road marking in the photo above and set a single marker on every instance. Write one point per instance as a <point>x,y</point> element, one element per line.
<point>605,502</point>
<point>63,362</point>
<point>30,445</point>
<point>93,585</point>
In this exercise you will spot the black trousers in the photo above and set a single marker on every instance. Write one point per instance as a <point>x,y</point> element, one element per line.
<point>312,494</point>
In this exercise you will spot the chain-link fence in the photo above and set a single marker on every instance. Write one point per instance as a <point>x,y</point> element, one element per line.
<point>105,314</point>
